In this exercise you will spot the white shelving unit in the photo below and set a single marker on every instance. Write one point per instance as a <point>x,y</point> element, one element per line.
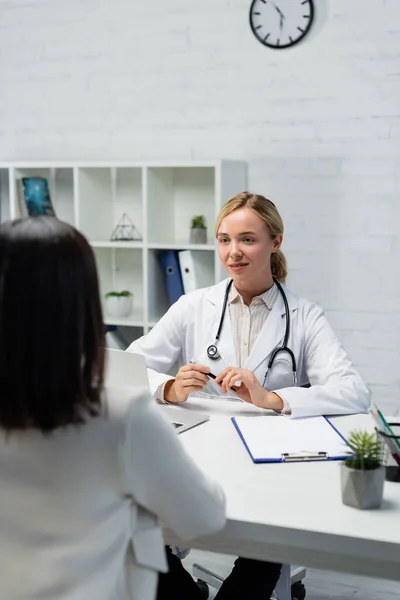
<point>159,198</point>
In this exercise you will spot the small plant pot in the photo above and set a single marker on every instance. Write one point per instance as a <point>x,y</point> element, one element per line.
<point>362,489</point>
<point>198,236</point>
<point>119,306</point>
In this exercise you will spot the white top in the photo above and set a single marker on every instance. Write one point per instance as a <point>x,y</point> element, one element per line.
<point>72,524</point>
<point>248,321</point>
<point>189,327</point>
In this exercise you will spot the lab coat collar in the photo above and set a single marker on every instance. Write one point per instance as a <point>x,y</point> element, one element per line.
<point>216,294</point>
<point>273,330</point>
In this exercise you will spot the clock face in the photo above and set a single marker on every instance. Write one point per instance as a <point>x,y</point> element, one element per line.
<point>281,23</point>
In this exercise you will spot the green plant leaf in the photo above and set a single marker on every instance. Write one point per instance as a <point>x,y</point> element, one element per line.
<point>367,449</point>
<point>115,294</point>
<point>199,222</point>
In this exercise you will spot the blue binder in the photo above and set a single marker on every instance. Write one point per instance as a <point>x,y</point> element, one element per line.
<point>267,443</point>
<point>172,274</point>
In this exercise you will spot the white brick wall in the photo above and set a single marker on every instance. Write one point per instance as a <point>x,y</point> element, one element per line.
<point>319,126</point>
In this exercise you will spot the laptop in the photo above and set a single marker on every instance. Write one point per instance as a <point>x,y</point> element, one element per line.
<point>128,368</point>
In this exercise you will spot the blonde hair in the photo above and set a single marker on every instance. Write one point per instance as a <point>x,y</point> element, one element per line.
<point>268,212</point>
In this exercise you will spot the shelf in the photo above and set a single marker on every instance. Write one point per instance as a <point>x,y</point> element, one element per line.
<point>104,196</point>
<point>123,321</point>
<point>62,194</point>
<point>61,189</point>
<point>122,269</point>
<point>4,195</point>
<point>209,247</point>
<point>118,164</point>
<point>159,198</point>
<point>175,196</point>
<point>118,245</point>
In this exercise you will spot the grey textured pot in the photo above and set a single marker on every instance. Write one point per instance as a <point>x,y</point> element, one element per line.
<point>198,236</point>
<point>362,489</point>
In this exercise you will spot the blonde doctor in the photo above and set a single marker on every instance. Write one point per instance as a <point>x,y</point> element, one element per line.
<point>254,335</point>
<point>249,232</point>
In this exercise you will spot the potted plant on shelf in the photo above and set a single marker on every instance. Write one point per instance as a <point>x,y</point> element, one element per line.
<point>363,475</point>
<point>198,230</point>
<point>119,304</point>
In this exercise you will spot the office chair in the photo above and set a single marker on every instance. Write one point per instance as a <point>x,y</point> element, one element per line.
<point>289,587</point>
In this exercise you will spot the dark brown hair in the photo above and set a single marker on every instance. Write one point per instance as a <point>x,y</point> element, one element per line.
<point>51,326</point>
<point>268,212</point>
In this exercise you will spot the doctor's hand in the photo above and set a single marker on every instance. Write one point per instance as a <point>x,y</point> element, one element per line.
<point>190,378</point>
<point>250,389</point>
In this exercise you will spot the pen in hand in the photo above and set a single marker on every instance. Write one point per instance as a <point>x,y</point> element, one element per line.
<point>215,377</point>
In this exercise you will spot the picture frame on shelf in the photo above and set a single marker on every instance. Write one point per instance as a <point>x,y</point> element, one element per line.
<point>34,197</point>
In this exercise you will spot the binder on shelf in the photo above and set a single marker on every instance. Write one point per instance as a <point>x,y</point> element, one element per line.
<point>172,274</point>
<point>279,439</point>
<point>195,269</point>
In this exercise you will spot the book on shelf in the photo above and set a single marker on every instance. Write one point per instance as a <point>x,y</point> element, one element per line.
<point>34,197</point>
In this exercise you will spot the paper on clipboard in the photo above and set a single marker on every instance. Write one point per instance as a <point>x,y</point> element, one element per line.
<point>278,439</point>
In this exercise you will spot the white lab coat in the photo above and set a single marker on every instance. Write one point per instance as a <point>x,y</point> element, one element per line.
<point>75,520</point>
<point>190,325</point>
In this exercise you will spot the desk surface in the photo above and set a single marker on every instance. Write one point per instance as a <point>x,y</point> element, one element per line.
<point>291,513</point>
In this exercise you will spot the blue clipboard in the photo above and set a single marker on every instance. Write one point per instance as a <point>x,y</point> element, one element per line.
<point>294,457</point>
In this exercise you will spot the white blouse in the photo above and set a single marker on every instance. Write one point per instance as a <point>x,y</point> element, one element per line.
<point>79,507</point>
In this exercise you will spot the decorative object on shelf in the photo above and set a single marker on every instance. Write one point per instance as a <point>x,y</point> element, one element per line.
<point>34,197</point>
<point>125,231</point>
<point>119,304</point>
<point>198,230</point>
<point>363,475</point>
<point>281,24</point>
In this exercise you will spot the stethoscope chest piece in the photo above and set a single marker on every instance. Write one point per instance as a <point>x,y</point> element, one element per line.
<point>212,352</point>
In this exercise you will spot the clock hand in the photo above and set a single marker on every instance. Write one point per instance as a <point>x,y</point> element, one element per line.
<point>282,16</point>
<point>279,11</point>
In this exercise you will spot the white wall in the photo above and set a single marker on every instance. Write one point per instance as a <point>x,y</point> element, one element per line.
<point>319,126</point>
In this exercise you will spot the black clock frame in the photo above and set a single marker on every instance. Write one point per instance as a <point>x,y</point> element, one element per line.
<point>291,44</point>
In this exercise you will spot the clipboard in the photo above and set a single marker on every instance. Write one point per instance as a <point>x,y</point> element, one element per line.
<point>281,440</point>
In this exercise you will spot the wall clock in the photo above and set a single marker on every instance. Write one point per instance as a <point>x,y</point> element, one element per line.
<point>281,24</point>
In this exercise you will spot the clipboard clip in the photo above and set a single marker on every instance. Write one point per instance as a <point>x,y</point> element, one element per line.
<point>304,456</point>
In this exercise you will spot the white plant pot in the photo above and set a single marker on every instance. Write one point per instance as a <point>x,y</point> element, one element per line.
<point>119,306</point>
<point>362,489</point>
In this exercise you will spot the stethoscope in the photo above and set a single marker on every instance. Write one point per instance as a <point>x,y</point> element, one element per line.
<point>213,352</point>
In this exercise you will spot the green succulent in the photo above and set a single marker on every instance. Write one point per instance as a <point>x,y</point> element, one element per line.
<point>123,294</point>
<point>367,449</point>
<point>199,222</point>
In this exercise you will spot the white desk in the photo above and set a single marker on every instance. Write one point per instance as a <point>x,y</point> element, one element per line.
<point>291,513</point>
